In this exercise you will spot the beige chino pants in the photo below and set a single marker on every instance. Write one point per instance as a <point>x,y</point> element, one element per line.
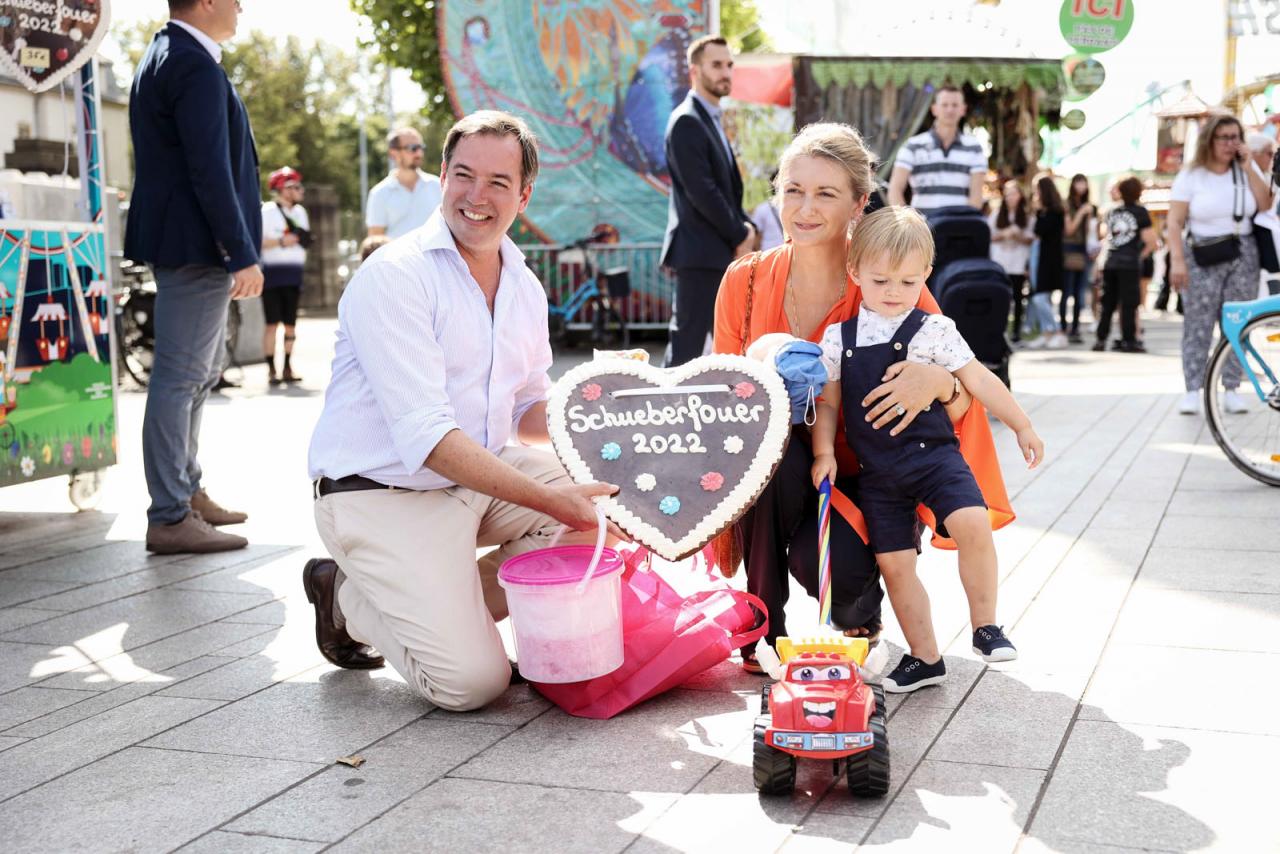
<point>414,588</point>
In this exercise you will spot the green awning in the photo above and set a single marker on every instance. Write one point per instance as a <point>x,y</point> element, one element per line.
<point>1043,74</point>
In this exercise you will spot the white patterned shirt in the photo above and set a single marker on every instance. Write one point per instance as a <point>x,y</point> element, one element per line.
<point>419,355</point>
<point>937,342</point>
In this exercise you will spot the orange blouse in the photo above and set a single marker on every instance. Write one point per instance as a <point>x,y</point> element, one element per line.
<point>767,315</point>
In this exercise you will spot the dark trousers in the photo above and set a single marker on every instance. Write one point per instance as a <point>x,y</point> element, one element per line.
<point>191,328</point>
<point>1074,285</point>
<point>692,314</point>
<point>1119,288</point>
<point>1019,283</point>
<point>780,539</point>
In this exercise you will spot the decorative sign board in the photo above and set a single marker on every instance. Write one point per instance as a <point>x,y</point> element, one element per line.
<point>42,42</point>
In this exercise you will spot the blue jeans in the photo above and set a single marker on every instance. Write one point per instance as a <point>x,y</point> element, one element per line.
<point>1075,283</point>
<point>1040,313</point>
<point>191,325</point>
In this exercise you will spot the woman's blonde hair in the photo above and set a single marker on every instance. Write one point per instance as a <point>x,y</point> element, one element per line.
<point>900,233</point>
<point>1204,143</point>
<point>839,143</point>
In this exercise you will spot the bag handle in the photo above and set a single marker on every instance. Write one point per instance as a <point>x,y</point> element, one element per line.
<point>751,290</point>
<point>1237,183</point>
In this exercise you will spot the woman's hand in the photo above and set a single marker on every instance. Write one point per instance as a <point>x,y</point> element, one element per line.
<point>1177,274</point>
<point>824,468</point>
<point>907,389</point>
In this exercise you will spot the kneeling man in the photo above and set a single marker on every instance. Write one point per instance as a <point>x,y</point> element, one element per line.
<point>440,370</point>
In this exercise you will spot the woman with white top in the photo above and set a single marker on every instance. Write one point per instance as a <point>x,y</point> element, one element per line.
<point>1214,200</point>
<point>1012,234</point>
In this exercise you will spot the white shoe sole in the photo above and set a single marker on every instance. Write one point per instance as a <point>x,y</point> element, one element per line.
<point>1004,653</point>
<point>894,688</point>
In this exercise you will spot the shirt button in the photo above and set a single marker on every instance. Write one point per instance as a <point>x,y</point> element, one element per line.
<point>849,353</point>
<point>897,345</point>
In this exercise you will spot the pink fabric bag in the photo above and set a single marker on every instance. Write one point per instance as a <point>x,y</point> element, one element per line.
<point>667,640</point>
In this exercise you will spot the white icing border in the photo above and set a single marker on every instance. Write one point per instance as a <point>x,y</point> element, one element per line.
<point>753,481</point>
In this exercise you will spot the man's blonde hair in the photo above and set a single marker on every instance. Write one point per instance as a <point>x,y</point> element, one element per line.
<point>899,233</point>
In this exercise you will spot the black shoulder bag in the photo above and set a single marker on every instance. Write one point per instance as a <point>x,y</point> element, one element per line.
<point>303,234</point>
<point>1213,251</point>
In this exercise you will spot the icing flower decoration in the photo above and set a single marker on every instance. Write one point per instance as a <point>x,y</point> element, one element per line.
<point>712,480</point>
<point>28,466</point>
<point>610,451</point>
<point>591,391</point>
<point>733,444</point>
<point>669,505</point>
<point>68,453</point>
<point>646,482</point>
<point>744,390</point>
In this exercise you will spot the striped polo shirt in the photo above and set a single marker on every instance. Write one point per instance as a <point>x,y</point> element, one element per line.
<point>940,176</point>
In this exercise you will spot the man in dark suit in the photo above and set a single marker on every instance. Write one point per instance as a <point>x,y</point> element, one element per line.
<point>195,217</point>
<point>706,225</point>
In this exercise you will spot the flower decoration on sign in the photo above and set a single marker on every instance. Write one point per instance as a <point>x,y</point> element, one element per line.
<point>68,453</point>
<point>669,505</point>
<point>646,482</point>
<point>46,454</point>
<point>733,444</point>
<point>86,447</point>
<point>591,391</point>
<point>611,451</point>
<point>744,390</point>
<point>711,481</point>
<point>28,466</point>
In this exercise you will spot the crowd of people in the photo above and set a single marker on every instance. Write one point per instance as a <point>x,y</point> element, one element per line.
<point>427,445</point>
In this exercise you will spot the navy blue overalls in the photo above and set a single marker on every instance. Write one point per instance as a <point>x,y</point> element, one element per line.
<point>921,465</point>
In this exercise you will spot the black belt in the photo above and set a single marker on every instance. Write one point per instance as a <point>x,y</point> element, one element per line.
<point>350,483</point>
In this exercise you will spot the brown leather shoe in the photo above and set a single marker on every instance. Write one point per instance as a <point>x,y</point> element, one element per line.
<point>214,513</point>
<point>193,534</point>
<point>338,647</point>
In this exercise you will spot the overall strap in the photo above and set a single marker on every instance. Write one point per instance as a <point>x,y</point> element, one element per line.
<point>907,331</point>
<point>849,333</point>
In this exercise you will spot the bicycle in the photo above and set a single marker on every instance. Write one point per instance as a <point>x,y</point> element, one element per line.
<point>1250,340</point>
<point>603,290</point>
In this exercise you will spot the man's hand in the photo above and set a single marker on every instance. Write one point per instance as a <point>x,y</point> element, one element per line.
<point>246,283</point>
<point>571,505</point>
<point>747,246</point>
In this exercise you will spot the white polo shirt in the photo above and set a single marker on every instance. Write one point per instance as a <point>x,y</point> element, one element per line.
<point>940,175</point>
<point>400,210</point>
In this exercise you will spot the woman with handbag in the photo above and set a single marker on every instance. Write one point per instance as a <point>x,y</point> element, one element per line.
<point>800,288</point>
<point>1075,255</point>
<point>1214,200</point>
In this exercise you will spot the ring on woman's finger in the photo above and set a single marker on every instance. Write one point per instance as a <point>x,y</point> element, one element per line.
<point>899,409</point>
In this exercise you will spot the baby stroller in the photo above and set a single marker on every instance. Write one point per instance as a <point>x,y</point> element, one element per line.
<point>976,293</point>
<point>958,232</point>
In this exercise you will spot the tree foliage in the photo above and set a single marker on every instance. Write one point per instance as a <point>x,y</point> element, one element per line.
<point>405,34</point>
<point>740,25</point>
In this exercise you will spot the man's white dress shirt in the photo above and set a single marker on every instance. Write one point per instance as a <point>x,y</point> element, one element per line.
<point>419,355</point>
<point>214,49</point>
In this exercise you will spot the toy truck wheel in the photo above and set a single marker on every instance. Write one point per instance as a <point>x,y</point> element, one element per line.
<point>775,771</point>
<point>868,771</point>
<point>764,698</point>
<point>878,691</point>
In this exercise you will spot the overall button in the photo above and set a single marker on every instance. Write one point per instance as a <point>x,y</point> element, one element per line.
<point>922,444</point>
<point>848,353</point>
<point>897,345</point>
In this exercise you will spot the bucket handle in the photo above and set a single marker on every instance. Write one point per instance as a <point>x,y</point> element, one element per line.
<point>595,557</point>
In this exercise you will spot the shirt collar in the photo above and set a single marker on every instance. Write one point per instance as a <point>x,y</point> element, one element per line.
<point>435,234</point>
<point>205,42</point>
<point>711,108</point>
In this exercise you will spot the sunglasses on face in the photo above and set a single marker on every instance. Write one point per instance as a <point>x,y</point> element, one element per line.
<point>293,186</point>
<point>412,149</point>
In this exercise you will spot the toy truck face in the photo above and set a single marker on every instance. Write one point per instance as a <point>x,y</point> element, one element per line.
<point>820,707</point>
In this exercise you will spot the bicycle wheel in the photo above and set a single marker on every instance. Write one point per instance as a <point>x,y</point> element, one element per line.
<point>1251,440</point>
<point>135,335</point>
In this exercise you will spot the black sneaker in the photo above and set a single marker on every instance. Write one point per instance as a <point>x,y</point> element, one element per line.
<point>990,643</point>
<point>912,673</point>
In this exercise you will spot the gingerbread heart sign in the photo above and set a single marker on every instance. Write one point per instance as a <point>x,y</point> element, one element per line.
<point>42,42</point>
<point>689,447</point>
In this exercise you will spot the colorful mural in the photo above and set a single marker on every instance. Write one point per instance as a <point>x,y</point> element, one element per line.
<point>596,80</point>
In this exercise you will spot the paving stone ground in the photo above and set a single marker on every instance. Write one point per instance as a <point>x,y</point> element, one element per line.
<point>164,703</point>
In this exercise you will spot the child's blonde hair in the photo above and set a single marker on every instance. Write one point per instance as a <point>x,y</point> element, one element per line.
<point>900,233</point>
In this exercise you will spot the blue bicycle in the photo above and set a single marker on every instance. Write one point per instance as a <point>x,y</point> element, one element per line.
<point>603,291</point>
<point>1250,338</point>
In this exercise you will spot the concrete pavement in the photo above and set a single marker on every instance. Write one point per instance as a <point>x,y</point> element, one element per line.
<point>158,703</point>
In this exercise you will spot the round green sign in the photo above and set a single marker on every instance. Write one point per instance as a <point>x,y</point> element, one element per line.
<point>1073,120</point>
<point>1092,26</point>
<point>1086,74</point>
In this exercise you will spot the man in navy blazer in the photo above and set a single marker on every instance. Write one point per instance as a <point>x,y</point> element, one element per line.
<point>195,217</point>
<point>706,225</point>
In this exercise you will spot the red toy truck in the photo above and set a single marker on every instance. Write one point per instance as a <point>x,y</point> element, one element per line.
<point>821,709</point>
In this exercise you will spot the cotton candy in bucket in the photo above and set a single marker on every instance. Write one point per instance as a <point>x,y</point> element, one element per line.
<point>566,611</point>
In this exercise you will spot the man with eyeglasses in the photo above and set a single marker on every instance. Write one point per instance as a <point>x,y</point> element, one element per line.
<point>406,198</point>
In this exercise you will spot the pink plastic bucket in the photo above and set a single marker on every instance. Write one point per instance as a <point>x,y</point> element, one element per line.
<point>565,630</point>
